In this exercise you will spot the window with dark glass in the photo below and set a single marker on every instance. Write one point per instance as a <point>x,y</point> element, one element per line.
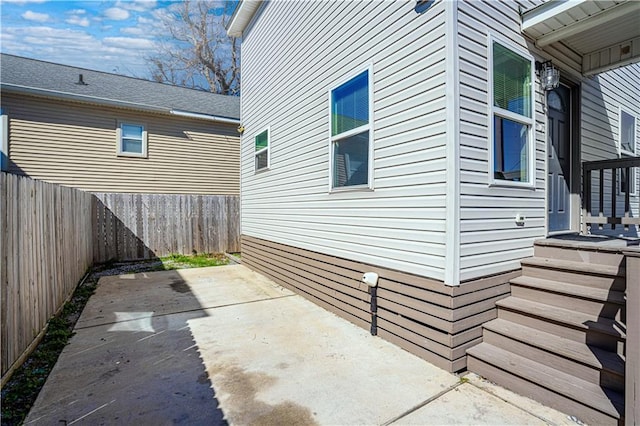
<point>262,150</point>
<point>512,110</point>
<point>350,132</point>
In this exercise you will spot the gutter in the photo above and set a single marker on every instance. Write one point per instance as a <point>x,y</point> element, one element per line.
<point>26,90</point>
<point>215,118</point>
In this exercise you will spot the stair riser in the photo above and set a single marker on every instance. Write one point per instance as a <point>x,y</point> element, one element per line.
<point>509,380</point>
<point>591,374</point>
<point>591,337</point>
<point>604,282</point>
<point>594,307</point>
<point>577,255</point>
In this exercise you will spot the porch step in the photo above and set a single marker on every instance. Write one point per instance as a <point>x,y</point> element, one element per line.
<point>571,272</point>
<point>587,401</point>
<point>580,251</point>
<point>588,363</point>
<point>581,327</point>
<point>591,300</point>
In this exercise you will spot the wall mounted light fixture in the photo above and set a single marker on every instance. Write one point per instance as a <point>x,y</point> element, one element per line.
<point>549,75</point>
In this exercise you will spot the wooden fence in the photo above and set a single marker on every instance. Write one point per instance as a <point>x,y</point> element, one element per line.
<point>144,226</point>
<point>45,248</point>
<point>51,235</point>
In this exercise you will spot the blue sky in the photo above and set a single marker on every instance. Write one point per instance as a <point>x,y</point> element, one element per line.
<point>111,36</point>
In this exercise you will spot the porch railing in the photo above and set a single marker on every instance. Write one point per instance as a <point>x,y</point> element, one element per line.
<point>620,176</point>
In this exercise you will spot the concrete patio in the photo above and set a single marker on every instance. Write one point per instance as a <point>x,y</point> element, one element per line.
<point>226,345</point>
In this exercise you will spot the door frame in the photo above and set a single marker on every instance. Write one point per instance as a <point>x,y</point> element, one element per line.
<point>575,154</point>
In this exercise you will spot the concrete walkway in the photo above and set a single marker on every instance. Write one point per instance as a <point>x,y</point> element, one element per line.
<point>224,345</point>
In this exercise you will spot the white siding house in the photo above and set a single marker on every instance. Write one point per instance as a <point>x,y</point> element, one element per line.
<point>415,140</point>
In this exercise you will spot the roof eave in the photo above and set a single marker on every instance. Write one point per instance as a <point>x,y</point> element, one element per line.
<point>241,17</point>
<point>95,100</point>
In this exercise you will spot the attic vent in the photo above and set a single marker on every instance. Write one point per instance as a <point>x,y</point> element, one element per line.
<point>81,80</point>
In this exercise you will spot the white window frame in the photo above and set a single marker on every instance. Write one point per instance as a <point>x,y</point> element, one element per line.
<point>635,134</point>
<point>623,153</point>
<point>120,151</point>
<point>267,149</point>
<point>367,127</point>
<point>494,110</point>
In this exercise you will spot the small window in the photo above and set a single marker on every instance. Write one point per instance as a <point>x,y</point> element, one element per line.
<point>512,116</point>
<point>627,133</point>
<point>262,150</point>
<point>351,133</point>
<point>132,140</point>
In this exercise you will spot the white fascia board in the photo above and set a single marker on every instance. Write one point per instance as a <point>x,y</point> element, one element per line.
<point>546,11</point>
<point>241,17</point>
<point>589,23</point>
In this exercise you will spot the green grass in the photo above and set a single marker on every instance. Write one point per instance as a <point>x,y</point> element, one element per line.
<point>19,393</point>
<point>180,261</point>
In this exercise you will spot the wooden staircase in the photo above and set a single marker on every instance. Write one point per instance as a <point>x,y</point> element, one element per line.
<point>560,337</point>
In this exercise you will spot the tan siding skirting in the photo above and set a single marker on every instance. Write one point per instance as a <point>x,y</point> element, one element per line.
<point>423,316</point>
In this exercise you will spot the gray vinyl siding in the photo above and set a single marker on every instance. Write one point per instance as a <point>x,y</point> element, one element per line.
<point>490,240</point>
<point>311,47</point>
<point>602,97</point>
<point>75,145</point>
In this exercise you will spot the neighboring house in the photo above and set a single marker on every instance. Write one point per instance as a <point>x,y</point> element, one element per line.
<point>104,132</point>
<point>415,140</point>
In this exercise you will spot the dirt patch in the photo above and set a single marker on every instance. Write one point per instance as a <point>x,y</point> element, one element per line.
<point>242,405</point>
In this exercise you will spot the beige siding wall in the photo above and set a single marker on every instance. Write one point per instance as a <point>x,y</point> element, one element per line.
<point>75,145</point>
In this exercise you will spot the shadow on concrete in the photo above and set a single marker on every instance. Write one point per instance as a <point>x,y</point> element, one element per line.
<point>133,359</point>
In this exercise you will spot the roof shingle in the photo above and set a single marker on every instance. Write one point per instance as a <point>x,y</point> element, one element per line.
<point>35,74</point>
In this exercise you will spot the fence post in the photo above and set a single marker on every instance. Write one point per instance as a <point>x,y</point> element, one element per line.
<point>632,364</point>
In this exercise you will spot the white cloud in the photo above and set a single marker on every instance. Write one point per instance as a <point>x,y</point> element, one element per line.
<point>133,31</point>
<point>137,5</point>
<point>82,21</point>
<point>116,14</point>
<point>78,48</point>
<point>35,16</point>
<point>129,43</point>
<point>23,2</point>
<point>76,12</point>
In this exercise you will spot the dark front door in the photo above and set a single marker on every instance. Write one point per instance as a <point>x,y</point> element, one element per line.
<point>559,158</point>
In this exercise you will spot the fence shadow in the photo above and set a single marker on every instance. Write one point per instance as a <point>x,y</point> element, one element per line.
<point>147,226</point>
<point>135,357</point>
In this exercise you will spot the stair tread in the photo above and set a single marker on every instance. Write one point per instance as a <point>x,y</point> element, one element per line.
<point>558,381</point>
<point>570,265</point>
<point>580,352</point>
<point>573,318</point>
<point>586,292</point>
<point>591,243</point>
